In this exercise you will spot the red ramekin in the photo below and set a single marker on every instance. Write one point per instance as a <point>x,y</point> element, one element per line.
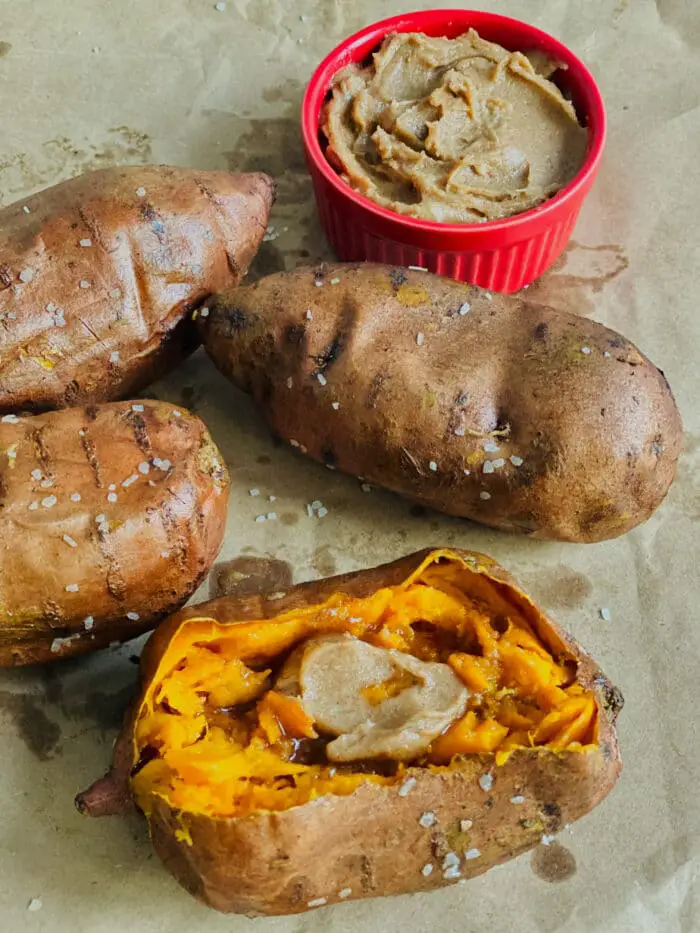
<point>502,255</point>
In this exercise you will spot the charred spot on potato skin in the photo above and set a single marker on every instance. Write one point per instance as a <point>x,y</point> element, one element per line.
<point>6,276</point>
<point>612,698</point>
<point>71,393</point>
<point>91,412</point>
<point>295,334</point>
<point>327,357</point>
<point>328,456</point>
<point>235,318</point>
<point>541,331</point>
<point>657,446</point>
<point>397,277</point>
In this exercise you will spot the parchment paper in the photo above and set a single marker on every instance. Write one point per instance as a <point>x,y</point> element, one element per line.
<point>91,82</point>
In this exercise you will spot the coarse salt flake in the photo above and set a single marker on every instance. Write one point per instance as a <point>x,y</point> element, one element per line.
<point>318,284</point>
<point>335,281</point>
<point>427,820</point>
<point>471,854</point>
<point>144,467</point>
<point>605,614</point>
<point>451,860</point>
<point>293,443</point>
<point>259,518</point>
<point>488,466</point>
<point>115,293</point>
<point>465,308</point>
<point>465,825</point>
<point>419,339</point>
<point>290,382</point>
<point>26,209</point>
<point>35,903</point>
<point>486,782</point>
<point>100,518</point>
<point>517,799</point>
<point>317,902</point>
<point>546,840</point>
<point>140,192</point>
<point>204,312</point>
<point>308,315</point>
<point>84,283</point>
<point>427,870</point>
<point>36,474</point>
<point>322,512</point>
<point>335,405</point>
<point>112,497</point>
<point>346,892</point>
<point>10,419</point>
<point>71,542</point>
<point>322,379</point>
<point>26,275</point>
<point>491,448</point>
<point>133,616</point>
<point>585,350</point>
<point>253,492</point>
<point>407,787</point>
<point>365,487</point>
<point>88,623</point>
<point>497,464</point>
<point>49,502</point>
<point>130,479</point>
<point>86,242</point>
<point>72,588</point>
<point>33,506</point>
<point>516,461</point>
<point>459,432</point>
<point>271,516</point>
<point>433,466</point>
<point>114,356</point>
<point>418,268</point>
<point>165,554</point>
<point>137,407</point>
<point>452,874</point>
<point>484,495</point>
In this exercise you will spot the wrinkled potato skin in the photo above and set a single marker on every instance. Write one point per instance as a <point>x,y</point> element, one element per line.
<point>598,435</point>
<point>276,863</point>
<point>119,569</point>
<point>153,259</point>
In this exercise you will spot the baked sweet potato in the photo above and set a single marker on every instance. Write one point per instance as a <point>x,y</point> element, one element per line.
<point>100,276</point>
<point>483,406</point>
<point>110,518</point>
<point>413,724</point>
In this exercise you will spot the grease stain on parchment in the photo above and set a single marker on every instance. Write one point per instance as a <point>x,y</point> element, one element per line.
<point>323,561</point>
<point>579,274</point>
<point>553,863</point>
<point>5,49</point>
<point>61,158</point>
<point>40,734</point>
<point>246,576</point>
<point>560,587</point>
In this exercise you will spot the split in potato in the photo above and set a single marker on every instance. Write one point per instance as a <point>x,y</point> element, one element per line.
<point>429,697</point>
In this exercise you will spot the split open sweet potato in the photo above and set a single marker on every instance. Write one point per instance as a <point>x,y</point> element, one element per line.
<point>388,731</point>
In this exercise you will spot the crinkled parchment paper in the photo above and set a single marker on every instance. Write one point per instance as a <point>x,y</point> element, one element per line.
<point>90,82</point>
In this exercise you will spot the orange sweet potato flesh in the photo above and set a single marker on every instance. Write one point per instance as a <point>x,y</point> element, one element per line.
<point>239,814</point>
<point>101,276</point>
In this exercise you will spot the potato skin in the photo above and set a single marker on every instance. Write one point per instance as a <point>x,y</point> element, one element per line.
<point>269,863</point>
<point>67,520</point>
<point>153,258</point>
<point>420,388</point>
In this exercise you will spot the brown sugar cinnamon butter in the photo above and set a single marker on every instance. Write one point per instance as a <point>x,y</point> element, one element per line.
<point>453,130</point>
